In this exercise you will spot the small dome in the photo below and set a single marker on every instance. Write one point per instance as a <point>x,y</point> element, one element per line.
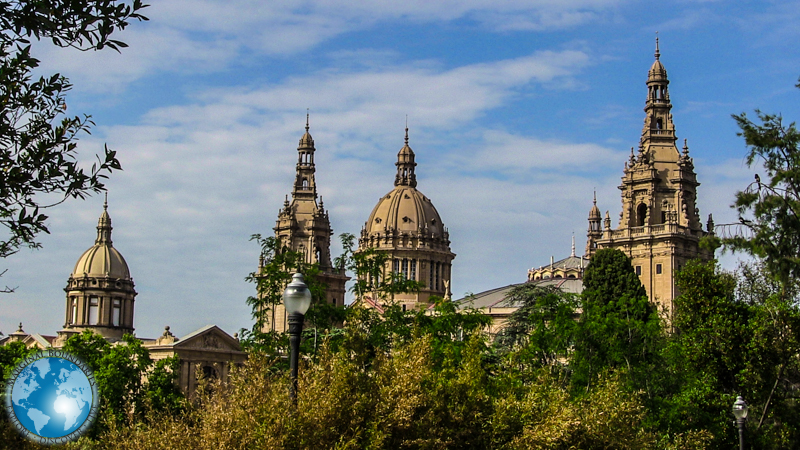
<point>657,72</point>
<point>405,209</point>
<point>102,259</point>
<point>594,213</point>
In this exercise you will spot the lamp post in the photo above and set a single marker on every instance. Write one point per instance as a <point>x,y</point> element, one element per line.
<point>740,412</point>
<point>296,300</point>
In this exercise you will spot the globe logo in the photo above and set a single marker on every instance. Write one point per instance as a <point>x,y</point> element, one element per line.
<point>51,397</point>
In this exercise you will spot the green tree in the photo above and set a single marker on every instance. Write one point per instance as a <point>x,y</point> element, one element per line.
<point>128,380</point>
<point>618,328</point>
<point>542,327</point>
<point>370,269</point>
<point>37,143</point>
<point>277,265</point>
<point>770,206</point>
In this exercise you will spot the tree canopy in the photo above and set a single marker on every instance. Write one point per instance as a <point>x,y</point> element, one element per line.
<point>38,143</point>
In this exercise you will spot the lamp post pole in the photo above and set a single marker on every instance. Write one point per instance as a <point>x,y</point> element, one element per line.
<point>296,300</point>
<point>740,412</point>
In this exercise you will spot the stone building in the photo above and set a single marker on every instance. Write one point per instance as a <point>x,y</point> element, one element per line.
<point>659,226</point>
<point>100,297</point>
<point>406,226</point>
<point>304,226</point>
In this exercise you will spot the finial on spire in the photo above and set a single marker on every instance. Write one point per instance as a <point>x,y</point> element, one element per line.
<point>105,203</point>
<point>658,53</point>
<point>685,148</point>
<point>594,201</point>
<point>573,244</point>
<point>307,114</point>
<point>406,129</point>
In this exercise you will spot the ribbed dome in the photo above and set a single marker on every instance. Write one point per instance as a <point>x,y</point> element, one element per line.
<point>594,213</point>
<point>405,209</point>
<point>657,72</point>
<point>102,259</point>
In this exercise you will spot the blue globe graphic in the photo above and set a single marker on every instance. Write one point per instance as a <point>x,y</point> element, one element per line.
<point>52,397</point>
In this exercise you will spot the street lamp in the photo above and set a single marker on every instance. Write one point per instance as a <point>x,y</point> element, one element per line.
<point>296,299</point>
<point>740,412</point>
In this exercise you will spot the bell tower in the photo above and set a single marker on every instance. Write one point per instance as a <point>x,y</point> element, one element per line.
<point>659,225</point>
<point>303,226</point>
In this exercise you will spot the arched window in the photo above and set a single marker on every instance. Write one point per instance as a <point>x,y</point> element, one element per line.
<point>305,183</point>
<point>641,213</point>
<point>659,123</point>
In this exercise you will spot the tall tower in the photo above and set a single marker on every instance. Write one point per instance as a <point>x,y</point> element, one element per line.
<point>595,232</point>
<point>100,291</point>
<point>304,226</point>
<point>659,225</point>
<point>406,226</point>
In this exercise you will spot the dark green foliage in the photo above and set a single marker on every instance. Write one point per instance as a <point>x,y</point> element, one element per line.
<point>129,382</point>
<point>619,328</point>
<point>770,206</point>
<point>279,263</point>
<point>541,330</point>
<point>37,145</point>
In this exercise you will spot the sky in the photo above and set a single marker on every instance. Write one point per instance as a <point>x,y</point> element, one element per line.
<point>517,111</point>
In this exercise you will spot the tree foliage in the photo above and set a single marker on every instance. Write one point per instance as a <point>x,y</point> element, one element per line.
<point>618,327</point>
<point>372,277</point>
<point>130,383</point>
<point>770,206</point>
<point>542,328</point>
<point>38,144</point>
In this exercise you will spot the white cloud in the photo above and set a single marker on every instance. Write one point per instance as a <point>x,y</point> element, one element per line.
<point>206,36</point>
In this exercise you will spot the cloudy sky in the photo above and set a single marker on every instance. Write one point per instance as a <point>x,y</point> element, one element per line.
<point>517,110</point>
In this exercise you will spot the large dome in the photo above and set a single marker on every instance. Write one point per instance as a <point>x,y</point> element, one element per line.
<point>102,259</point>
<point>406,210</point>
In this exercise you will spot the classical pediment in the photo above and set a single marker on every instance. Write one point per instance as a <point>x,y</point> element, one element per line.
<point>210,337</point>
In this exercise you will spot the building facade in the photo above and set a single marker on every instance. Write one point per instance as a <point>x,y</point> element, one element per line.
<point>100,298</point>
<point>659,225</point>
<point>407,227</point>
<point>304,226</point>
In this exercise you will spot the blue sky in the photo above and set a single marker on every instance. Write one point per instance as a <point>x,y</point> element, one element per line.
<point>517,110</point>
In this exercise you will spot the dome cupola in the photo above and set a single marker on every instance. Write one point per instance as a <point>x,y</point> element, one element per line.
<point>102,259</point>
<point>405,224</point>
<point>100,290</point>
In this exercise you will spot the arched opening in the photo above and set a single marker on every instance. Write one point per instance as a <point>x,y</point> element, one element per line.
<point>305,183</point>
<point>659,123</point>
<point>641,213</point>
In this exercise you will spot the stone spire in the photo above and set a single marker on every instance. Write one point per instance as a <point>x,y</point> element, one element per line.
<point>658,126</point>
<point>305,186</point>
<point>595,231</point>
<point>104,226</point>
<point>405,166</point>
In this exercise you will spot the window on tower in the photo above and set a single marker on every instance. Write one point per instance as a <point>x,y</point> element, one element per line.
<point>94,309</point>
<point>116,312</point>
<point>413,273</point>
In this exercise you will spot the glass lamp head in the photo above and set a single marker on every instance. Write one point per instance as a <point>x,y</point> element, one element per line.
<point>740,408</point>
<point>297,296</point>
